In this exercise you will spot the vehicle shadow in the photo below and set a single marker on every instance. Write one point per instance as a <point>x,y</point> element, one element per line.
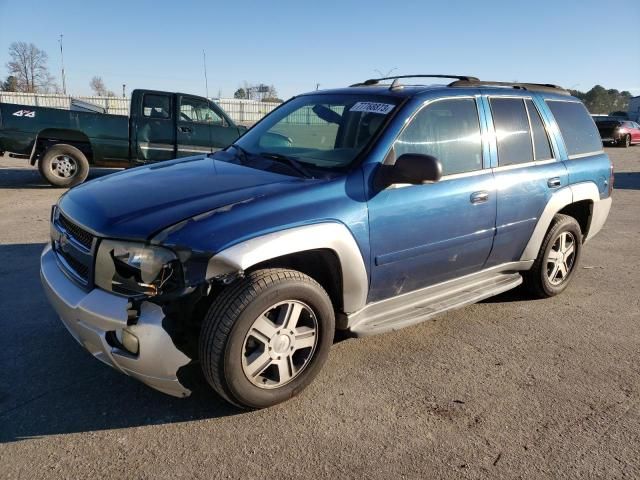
<point>518,294</point>
<point>29,178</point>
<point>626,181</point>
<point>50,385</point>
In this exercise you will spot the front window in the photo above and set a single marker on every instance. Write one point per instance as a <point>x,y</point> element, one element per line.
<point>319,131</point>
<point>198,111</point>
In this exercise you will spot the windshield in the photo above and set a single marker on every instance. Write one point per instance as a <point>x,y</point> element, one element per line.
<point>318,131</point>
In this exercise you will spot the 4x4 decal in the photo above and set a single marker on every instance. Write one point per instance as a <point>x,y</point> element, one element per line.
<point>25,113</point>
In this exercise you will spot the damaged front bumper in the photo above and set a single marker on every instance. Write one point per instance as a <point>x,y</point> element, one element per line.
<point>90,316</point>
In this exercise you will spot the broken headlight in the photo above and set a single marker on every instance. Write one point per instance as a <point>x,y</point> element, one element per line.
<point>130,268</point>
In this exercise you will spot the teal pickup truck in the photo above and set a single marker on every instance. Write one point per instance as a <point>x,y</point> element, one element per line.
<point>161,126</point>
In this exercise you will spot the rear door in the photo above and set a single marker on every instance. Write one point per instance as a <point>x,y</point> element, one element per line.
<point>154,128</point>
<point>202,127</point>
<point>527,172</point>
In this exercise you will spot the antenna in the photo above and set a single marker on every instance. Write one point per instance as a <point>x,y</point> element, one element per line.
<point>206,81</point>
<point>64,82</point>
<point>206,90</point>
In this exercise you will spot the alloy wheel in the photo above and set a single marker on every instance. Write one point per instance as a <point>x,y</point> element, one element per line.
<point>64,166</point>
<point>279,344</point>
<point>561,258</point>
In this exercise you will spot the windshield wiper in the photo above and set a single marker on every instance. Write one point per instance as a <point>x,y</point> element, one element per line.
<point>295,164</point>
<point>244,154</point>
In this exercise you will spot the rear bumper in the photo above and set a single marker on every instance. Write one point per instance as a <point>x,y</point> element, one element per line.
<point>90,315</point>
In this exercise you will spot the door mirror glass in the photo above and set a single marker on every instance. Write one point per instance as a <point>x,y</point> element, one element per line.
<point>411,168</point>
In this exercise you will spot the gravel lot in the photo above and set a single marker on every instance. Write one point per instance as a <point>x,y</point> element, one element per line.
<point>509,388</point>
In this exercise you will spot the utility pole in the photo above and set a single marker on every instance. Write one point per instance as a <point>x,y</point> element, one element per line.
<point>124,87</point>
<point>206,81</point>
<point>64,80</point>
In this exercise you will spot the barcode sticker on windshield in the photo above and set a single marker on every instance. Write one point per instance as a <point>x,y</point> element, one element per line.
<point>372,107</point>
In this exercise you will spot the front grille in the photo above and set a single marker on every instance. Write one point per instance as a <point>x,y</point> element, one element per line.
<point>78,233</point>
<point>73,247</point>
<point>78,268</point>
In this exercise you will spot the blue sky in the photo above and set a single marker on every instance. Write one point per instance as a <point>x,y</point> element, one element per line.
<point>296,44</point>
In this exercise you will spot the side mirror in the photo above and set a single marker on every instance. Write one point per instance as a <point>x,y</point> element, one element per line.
<point>412,168</point>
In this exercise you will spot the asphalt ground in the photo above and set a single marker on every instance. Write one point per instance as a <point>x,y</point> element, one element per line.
<point>508,388</point>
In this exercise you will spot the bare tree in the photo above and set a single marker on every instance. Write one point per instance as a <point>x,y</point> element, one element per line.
<point>28,65</point>
<point>99,88</point>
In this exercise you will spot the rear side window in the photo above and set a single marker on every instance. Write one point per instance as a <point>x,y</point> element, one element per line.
<point>512,131</point>
<point>541,147</point>
<point>576,126</point>
<point>156,106</point>
<point>450,131</point>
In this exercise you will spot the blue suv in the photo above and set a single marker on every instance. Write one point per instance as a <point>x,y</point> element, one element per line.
<point>366,209</point>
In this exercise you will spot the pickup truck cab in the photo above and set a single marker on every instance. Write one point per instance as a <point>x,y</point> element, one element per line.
<point>161,126</point>
<point>365,209</point>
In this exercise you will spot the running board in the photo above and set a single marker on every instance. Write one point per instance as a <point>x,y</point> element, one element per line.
<point>415,307</point>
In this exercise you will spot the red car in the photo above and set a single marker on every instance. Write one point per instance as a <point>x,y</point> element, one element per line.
<point>618,132</point>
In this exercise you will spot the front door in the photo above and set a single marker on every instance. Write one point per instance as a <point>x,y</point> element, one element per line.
<point>426,234</point>
<point>202,127</point>
<point>155,129</point>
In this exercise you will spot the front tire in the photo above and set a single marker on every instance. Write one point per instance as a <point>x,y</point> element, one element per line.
<point>64,166</point>
<point>557,260</point>
<point>625,141</point>
<point>266,337</point>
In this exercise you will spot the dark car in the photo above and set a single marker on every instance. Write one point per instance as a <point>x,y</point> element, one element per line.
<point>616,131</point>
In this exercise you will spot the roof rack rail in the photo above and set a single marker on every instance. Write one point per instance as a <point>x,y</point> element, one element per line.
<point>534,87</point>
<point>395,83</point>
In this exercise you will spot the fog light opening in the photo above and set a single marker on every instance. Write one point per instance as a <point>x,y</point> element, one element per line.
<point>128,341</point>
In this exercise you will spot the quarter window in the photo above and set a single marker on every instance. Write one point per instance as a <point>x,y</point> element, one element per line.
<point>541,147</point>
<point>511,123</point>
<point>156,106</point>
<point>448,130</point>
<point>576,126</point>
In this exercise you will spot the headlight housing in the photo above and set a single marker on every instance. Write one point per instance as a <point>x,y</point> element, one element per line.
<point>130,268</point>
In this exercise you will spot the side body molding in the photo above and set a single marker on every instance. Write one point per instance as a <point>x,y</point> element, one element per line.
<point>559,200</point>
<point>329,235</point>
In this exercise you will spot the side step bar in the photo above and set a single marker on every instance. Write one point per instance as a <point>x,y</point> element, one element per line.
<point>421,305</point>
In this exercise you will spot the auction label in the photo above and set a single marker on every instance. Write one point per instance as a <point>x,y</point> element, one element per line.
<point>372,107</point>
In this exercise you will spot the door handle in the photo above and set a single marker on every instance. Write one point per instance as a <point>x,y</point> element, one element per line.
<point>479,197</point>
<point>185,129</point>
<point>554,182</point>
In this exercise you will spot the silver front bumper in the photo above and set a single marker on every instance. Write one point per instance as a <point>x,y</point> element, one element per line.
<point>90,315</point>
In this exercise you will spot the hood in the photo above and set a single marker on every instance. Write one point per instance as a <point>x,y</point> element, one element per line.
<point>137,203</point>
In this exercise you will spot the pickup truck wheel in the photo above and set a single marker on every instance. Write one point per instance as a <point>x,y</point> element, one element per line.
<point>63,166</point>
<point>558,258</point>
<point>266,337</point>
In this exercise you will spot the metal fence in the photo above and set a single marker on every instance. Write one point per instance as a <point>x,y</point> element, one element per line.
<point>246,112</point>
<point>112,105</point>
<point>240,111</point>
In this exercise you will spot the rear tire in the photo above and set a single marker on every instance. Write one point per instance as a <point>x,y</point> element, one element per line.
<point>266,337</point>
<point>63,166</point>
<point>557,260</point>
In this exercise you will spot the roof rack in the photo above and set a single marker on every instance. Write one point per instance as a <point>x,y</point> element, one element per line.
<point>534,87</point>
<point>396,83</point>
